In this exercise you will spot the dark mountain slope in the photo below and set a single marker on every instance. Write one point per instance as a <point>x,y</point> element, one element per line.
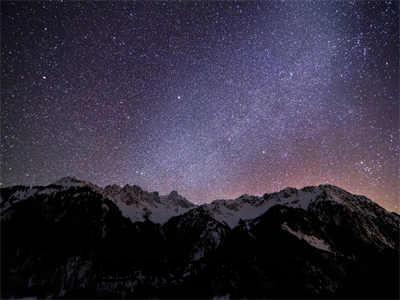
<point>65,242</point>
<point>290,247</point>
<point>70,240</point>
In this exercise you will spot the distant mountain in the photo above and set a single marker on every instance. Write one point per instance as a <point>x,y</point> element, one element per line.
<point>249,207</point>
<point>77,240</point>
<point>139,205</point>
<point>134,203</point>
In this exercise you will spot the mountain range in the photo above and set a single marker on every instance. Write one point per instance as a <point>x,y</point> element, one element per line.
<point>74,239</point>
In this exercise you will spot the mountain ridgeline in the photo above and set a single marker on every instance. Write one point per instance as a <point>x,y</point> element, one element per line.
<point>73,239</point>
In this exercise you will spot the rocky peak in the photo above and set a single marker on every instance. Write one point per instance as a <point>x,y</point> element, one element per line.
<point>174,194</point>
<point>174,198</point>
<point>70,181</point>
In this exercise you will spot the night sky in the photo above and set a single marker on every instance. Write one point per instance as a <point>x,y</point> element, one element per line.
<point>213,99</point>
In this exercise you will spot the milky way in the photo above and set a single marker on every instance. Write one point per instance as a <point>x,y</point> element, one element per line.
<point>213,99</point>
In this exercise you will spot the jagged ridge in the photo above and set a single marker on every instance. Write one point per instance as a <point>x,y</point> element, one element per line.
<point>72,239</point>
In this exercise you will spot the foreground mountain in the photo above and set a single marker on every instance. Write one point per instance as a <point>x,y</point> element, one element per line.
<point>75,239</point>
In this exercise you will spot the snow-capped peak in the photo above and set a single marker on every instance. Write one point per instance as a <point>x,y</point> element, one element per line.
<point>249,207</point>
<point>21,193</point>
<point>69,181</point>
<point>174,198</point>
<point>138,204</point>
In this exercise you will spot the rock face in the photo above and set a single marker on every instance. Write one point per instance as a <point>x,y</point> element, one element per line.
<point>139,205</point>
<point>76,240</point>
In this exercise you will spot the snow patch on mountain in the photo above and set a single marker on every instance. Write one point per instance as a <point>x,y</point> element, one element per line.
<point>310,239</point>
<point>24,194</point>
<point>70,181</point>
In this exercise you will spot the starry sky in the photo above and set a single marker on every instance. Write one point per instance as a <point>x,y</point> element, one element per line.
<point>213,99</point>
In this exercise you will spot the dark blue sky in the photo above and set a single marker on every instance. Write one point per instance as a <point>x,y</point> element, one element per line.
<point>212,99</point>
